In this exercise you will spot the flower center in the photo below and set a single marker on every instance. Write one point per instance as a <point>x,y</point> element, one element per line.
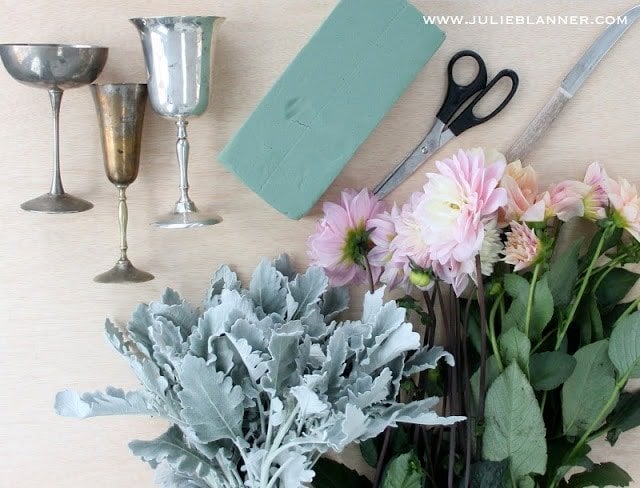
<point>357,244</point>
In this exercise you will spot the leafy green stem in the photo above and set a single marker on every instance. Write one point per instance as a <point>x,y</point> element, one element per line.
<point>632,307</point>
<point>583,287</point>
<point>596,421</point>
<point>532,291</point>
<point>492,330</point>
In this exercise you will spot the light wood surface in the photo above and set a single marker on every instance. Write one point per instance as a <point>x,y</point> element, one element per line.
<point>51,332</point>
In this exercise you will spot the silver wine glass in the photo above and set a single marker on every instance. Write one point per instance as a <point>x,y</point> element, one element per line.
<point>54,67</point>
<point>178,53</point>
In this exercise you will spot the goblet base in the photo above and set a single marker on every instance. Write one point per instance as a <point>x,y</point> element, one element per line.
<point>185,220</point>
<point>124,272</point>
<point>50,203</point>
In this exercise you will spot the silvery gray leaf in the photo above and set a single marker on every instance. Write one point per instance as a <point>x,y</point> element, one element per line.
<point>171,297</point>
<point>334,301</point>
<point>212,405</point>
<point>368,391</point>
<point>426,358</point>
<point>182,315</point>
<point>353,425</point>
<point>314,323</point>
<point>223,278</point>
<point>171,448</point>
<point>335,364</point>
<point>138,329</point>
<point>401,340</point>
<point>116,338</point>
<point>166,477</point>
<point>267,288</point>
<point>304,290</point>
<point>388,318</point>
<point>243,329</point>
<point>282,370</point>
<point>218,320</point>
<point>310,404</point>
<point>283,264</point>
<point>296,471</point>
<point>113,401</point>
<point>372,305</point>
<point>252,360</point>
<point>220,354</point>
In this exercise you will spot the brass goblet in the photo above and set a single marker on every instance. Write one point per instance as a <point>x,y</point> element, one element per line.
<point>120,110</point>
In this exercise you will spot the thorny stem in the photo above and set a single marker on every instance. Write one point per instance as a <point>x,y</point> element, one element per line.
<point>483,354</point>
<point>585,281</point>
<point>532,291</point>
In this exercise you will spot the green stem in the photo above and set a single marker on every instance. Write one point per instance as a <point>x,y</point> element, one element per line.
<point>367,266</point>
<point>633,306</point>
<point>597,421</point>
<point>532,291</point>
<point>492,331</point>
<point>583,287</point>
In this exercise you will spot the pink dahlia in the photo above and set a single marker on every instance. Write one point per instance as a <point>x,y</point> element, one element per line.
<point>522,248</point>
<point>457,204</point>
<point>596,200</point>
<point>521,185</point>
<point>385,255</point>
<point>409,241</point>
<point>567,199</point>
<point>342,240</point>
<point>625,205</point>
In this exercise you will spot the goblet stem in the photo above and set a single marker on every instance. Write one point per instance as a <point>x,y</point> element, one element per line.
<point>184,204</point>
<point>55,96</point>
<point>123,217</point>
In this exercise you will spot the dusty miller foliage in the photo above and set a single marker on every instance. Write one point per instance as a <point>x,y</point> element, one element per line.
<point>264,381</point>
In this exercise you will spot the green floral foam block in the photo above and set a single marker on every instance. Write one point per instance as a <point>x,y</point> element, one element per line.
<point>330,98</point>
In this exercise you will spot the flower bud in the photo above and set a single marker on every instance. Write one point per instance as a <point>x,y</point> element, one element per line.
<point>421,278</point>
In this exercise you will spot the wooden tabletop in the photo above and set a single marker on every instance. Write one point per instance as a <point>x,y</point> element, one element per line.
<point>51,335</point>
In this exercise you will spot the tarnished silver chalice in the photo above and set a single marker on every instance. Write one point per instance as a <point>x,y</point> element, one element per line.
<point>120,110</point>
<point>178,53</point>
<point>54,67</point>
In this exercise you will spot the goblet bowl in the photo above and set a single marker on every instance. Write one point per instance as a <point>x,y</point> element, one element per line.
<point>54,65</point>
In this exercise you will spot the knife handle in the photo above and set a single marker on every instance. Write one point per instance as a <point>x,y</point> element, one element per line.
<point>538,126</point>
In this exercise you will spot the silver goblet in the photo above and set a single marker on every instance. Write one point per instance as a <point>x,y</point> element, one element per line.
<point>178,53</point>
<point>120,110</point>
<point>56,68</point>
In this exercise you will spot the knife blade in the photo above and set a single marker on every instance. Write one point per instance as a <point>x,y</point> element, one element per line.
<point>570,85</point>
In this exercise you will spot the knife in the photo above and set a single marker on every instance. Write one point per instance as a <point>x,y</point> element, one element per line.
<point>570,85</point>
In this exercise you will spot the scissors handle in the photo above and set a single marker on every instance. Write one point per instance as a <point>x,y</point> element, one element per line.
<point>467,119</point>
<point>457,94</point>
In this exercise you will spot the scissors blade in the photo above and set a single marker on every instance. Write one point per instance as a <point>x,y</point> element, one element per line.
<point>434,140</point>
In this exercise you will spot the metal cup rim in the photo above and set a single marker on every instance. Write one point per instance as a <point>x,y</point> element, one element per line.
<point>177,17</point>
<point>118,84</point>
<point>74,46</point>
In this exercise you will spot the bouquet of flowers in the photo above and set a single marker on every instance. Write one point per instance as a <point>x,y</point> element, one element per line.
<point>543,332</point>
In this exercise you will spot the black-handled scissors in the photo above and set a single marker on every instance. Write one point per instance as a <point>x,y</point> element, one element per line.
<point>447,125</point>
